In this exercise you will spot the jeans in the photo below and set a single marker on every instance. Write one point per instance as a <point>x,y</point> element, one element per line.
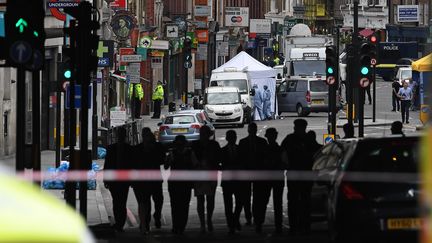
<point>395,102</point>
<point>405,105</point>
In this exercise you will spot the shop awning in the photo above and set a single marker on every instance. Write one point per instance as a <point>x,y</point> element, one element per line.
<point>423,64</point>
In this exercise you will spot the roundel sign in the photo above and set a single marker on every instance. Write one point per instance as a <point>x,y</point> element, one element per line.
<point>330,80</point>
<point>373,61</point>
<point>236,19</point>
<point>55,6</point>
<point>364,82</point>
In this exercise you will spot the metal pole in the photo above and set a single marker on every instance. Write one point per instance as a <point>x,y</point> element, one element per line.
<point>335,88</point>
<point>94,121</point>
<point>20,120</point>
<point>36,156</point>
<point>374,93</point>
<point>58,114</point>
<point>361,112</point>
<point>349,83</point>
<point>355,64</point>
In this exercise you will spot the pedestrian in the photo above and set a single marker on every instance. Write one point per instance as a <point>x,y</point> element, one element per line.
<point>368,92</point>
<point>348,129</point>
<point>405,95</point>
<point>231,188</point>
<point>395,99</point>
<point>396,128</point>
<point>208,158</point>
<point>277,164</point>
<point>181,158</point>
<point>136,94</point>
<point>295,145</point>
<point>414,87</point>
<point>253,151</point>
<point>258,102</point>
<point>150,155</point>
<point>157,97</point>
<point>117,158</point>
<point>267,103</point>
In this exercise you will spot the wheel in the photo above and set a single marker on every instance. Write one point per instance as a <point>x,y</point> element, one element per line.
<point>300,110</point>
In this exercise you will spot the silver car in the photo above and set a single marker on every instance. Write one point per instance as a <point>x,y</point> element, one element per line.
<point>302,95</point>
<point>186,122</point>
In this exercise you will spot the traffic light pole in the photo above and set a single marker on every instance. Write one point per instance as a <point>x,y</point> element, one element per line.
<point>58,115</point>
<point>20,125</point>
<point>374,93</point>
<point>36,156</point>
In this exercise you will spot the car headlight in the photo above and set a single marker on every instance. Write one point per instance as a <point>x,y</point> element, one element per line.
<point>209,110</point>
<point>237,110</point>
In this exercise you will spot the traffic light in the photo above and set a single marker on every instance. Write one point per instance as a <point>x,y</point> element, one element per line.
<point>373,41</point>
<point>332,65</point>
<point>187,45</point>
<point>25,35</point>
<point>366,53</point>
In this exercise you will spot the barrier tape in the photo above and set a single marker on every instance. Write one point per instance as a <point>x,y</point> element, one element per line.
<point>226,175</point>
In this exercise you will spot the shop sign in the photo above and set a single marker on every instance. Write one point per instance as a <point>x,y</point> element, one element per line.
<point>237,16</point>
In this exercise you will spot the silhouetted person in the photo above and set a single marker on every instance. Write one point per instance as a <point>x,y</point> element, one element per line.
<point>396,128</point>
<point>149,155</point>
<point>395,99</point>
<point>117,159</point>
<point>180,159</point>
<point>313,145</point>
<point>277,164</point>
<point>208,158</point>
<point>231,161</point>
<point>295,144</point>
<point>253,150</point>
<point>348,129</point>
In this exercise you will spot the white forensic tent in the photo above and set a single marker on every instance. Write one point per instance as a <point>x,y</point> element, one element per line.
<point>259,73</point>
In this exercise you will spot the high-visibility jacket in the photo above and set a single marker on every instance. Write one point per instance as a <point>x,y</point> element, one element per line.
<point>30,215</point>
<point>277,61</point>
<point>158,93</point>
<point>139,93</point>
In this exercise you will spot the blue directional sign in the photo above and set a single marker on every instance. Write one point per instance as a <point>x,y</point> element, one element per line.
<point>328,138</point>
<point>21,52</point>
<point>2,25</point>
<point>77,97</point>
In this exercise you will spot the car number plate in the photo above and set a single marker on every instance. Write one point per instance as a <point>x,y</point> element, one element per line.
<point>179,130</point>
<point>404,223</point>
<point>318,102</point>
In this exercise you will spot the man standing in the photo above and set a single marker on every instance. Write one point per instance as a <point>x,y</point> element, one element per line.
<point>136,94</point>
<point>295,145</point>
<point>395,89</point>
<point>405,95</point>
<point>157,97</point>
<point>258,102</point>
<point>267,103</point>
<point>253,150</point>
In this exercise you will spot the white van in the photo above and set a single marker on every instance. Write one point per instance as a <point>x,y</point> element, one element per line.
<point>224,106</point>
<point>230,77</point>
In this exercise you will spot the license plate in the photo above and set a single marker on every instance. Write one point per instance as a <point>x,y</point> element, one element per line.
<point>318,102</point>
<point>404,224</point>
<point>179,130</point>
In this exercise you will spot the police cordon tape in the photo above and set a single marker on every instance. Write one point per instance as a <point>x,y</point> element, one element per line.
<point>226,175</point>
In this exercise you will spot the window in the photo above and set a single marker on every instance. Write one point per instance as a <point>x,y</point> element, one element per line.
<point>223,98</point>
<point>292,86</point>
<point>283,87</point>
<point>318,86</point>
<point>179,119</point>
<point>241,84</point>
<point>301,86</point>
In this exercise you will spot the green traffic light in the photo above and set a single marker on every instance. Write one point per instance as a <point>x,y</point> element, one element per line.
<point>330,70</point>
<point>67,74</point>
<point>35,33</point>
<point>364,70</point>
<point>21,23</point>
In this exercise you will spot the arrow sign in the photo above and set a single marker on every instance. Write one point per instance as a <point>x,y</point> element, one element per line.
<point>20,52</point>
<point>21,23</point>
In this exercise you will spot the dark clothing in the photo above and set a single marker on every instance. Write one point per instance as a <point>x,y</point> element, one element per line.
<point>405,105</point>
<point>299,156</point>
<point>277,185</point>
<point>117,159</point>
<point>395,100</point>
<point>253,151</point>
<point>180,191</point>
<point>137,107</point>
<point>231,189</point>
<point>157,108</point>
<point>368,92</point>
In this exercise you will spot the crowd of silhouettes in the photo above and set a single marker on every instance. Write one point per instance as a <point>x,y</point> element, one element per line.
<point>251,195</point>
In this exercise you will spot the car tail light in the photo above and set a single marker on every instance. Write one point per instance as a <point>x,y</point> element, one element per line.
<point>308,96</point>
<point>350,192</point>
<point>163,128</point>
<point>196,126</point>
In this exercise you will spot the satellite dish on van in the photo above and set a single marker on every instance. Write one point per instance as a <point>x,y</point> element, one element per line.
<point>300,30</point>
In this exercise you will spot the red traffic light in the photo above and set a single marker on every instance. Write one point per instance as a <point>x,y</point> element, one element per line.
<point>373,39</point>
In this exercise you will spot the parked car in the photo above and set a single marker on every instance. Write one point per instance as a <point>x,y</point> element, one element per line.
<point>365,208</point>
<point>185,122</point>
<point>302,95</point>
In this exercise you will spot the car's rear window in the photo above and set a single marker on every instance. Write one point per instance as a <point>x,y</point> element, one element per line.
<point>399,156</point>
<point>187,119</point>
<point>318,86</point>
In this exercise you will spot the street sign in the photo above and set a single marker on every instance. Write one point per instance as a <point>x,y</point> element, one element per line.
<point>133,71</point>
<point>143,52</point>
<point>187,64</point>
<point>159,45</point>
<point>125,51</point>
<point>2,25</point>
<point>373,61</point>
<point>172,31</point>
<point>223,49</point>
<point>77,97</point>
<point>54,7</point>
<point>202,10</point>
<point>407,13</point>
<point>328,138</point>
<point>21,52</point>
<point>105,53</point>
<point>237,16</point>
<point>201,52</point>
<point>145,42</point>
<point>364,82</point>
<point>130,58</point>
<point>117,118</point>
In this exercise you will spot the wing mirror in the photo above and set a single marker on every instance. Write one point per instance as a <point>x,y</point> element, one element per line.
<point>252,92</point>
